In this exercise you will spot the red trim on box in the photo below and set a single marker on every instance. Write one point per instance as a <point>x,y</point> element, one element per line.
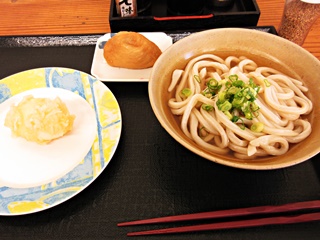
<point>183,17</point>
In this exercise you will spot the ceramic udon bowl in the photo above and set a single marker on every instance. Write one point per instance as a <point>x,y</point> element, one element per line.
<point>265,48</point>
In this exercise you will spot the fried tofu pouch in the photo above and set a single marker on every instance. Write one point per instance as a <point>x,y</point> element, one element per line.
<point>39,120</point>
<point>130,50</point>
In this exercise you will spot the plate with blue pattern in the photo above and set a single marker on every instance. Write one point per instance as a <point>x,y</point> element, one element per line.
<point>98,128</point>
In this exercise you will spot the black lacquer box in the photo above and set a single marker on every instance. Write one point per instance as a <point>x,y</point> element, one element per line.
<point>242,13</point>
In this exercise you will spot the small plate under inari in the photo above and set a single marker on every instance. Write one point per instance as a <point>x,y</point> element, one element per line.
<point>104,72</point>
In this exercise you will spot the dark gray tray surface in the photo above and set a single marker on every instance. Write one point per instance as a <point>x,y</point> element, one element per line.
<point>152,175</point>
<point>84,40</point>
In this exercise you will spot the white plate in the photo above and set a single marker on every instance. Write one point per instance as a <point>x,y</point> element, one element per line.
<point>40,177</point>
<point>104,72</point>
<point>33,164</point>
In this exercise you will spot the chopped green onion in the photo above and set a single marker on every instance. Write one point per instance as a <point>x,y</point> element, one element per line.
<point>238,83</point>
<point>233,90</point>
<point>207,107</point>
<point>197,78</point>
<point>213,87</point>
<point>225,106</point>
<point>233,78</point>
<point>236,119</point>
<point>254,107</point>
<point>222,96</point>
<point>186,92</point>
<point>250,93</point>
<point>239,94</point>
<point>251,83</point>
<point>228,84</point>
<point>236,100</point>
<point>213,84</point>
<point>207,94</point>
<point>228,114</point>
<point>242,126</point>
<point>248,115</point>
<point>267,83</point>
<point>257,127</point>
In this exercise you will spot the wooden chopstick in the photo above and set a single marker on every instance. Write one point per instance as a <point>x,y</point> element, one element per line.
<point>232,224</point>
<point>290,207</point>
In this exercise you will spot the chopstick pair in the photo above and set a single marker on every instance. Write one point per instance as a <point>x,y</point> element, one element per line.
<point>286,208</point>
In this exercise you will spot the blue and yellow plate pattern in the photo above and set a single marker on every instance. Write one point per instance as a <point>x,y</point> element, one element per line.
<point>19,201</point>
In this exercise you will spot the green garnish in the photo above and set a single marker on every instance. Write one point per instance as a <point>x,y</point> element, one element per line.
<point>229,115</point>
<point>266,82</point>
<point>213,87</point>
<point>186,92</point>
<point>236,95</point>
<point>197,78</point>
<point>257,127</point>
<point>225,106</point>
<point>233,78</point>
<point>207,107</point>
<point>213,84</point>
<point>236,119</point>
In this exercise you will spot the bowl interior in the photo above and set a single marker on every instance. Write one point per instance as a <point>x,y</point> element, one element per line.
<point>264,48</point>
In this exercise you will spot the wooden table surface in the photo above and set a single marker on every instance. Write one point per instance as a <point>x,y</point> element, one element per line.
<point>55,17</point>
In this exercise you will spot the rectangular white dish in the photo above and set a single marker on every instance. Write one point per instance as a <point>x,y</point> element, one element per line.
<point>106,73</point>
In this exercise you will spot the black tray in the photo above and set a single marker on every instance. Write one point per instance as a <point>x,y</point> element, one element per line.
<point>242,13</point>
<point>90,40</point>
<point>150,174</point>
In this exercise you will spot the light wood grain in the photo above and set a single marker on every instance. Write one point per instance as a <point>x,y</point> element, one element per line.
<point>57,17</point>
<point>47,17</point>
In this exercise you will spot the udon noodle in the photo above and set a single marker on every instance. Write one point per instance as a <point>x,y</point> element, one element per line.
<point>276,109</point>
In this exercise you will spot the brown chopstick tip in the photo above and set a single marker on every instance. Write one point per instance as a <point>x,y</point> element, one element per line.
<point>139,222</point>
<point>123,224</point>
<point>144,221</point>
